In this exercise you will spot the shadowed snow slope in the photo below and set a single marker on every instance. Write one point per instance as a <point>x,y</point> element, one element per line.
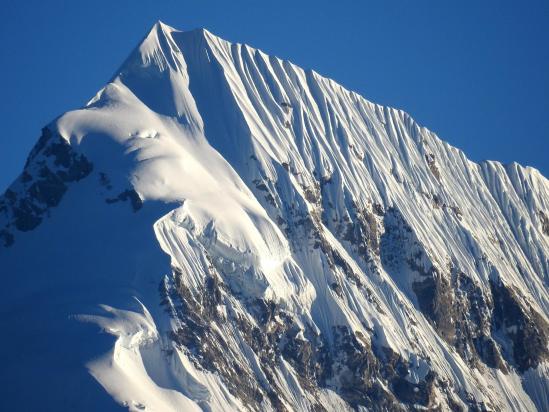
<point>218,229</point>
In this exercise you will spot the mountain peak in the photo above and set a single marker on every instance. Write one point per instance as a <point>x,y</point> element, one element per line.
<point>256,237</point>
<point>160,25</point>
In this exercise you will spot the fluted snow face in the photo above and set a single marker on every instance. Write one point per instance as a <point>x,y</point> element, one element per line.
<point>291,246</point>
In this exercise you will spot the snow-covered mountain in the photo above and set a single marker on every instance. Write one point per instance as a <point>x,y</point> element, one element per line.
<point>218,229</point>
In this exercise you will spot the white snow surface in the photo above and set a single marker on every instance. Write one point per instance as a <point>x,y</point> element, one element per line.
<point>195,125</point>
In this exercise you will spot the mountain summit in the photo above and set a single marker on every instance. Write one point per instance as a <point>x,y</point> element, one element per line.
<point>219,230</point>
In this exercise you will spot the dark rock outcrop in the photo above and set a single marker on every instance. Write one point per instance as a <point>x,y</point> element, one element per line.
<point>128,195</point>
<point>458,309</point>
<point>346,362</point>
<point>524,328</point>
<point>52,165</point>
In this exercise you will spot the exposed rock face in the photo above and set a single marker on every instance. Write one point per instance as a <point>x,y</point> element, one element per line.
<point>51,166</point>
<point>525,329</point>
<point>544,222</point>
<point>345,362</point>
<point>128,194</point>
<point>430,158</point>
<point>482,327</point>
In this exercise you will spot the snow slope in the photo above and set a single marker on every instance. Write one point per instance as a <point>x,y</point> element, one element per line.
<point>218,229</point>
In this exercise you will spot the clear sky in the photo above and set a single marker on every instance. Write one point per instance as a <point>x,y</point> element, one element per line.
<point>475,72</point>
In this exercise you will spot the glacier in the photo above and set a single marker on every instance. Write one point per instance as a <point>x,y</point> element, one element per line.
<point>218,229</point>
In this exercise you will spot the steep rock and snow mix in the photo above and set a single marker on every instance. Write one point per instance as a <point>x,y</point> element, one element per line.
<point>248,235</point>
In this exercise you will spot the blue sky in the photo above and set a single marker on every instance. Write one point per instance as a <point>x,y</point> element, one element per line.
<point>474,72</point>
